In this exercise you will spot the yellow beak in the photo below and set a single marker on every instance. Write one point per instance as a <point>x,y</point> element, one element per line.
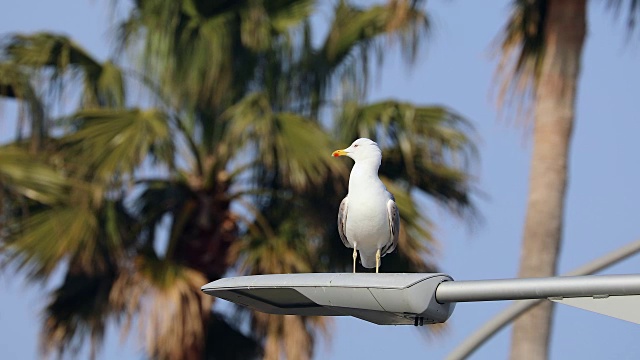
<point>339,153</point>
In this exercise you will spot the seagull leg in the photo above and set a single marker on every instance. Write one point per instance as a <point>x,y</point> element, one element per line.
<point>355,256</point>
<point>377,260</point>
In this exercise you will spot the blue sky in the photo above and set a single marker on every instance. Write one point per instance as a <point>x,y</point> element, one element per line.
<point>455,69</point>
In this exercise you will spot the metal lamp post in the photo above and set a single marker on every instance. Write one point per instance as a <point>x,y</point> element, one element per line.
<point>417,299</point>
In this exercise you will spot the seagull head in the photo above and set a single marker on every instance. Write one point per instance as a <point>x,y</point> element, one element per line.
<point>361,149</point>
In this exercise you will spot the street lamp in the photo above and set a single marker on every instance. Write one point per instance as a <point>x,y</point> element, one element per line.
<point>419,298</point>
<point>384,299</point>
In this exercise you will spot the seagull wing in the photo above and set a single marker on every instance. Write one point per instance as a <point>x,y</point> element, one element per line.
<point>394,225</point>
<point>342,221</point>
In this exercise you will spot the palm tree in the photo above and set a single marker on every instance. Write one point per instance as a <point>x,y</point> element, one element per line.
<point>541,57</point>
<point>229,172</point>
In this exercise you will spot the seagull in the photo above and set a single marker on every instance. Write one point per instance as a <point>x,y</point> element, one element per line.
<point>368,218</point>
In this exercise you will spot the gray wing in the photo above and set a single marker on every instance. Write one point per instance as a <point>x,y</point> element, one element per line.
<point>342,221</point>
<point>394,225</point>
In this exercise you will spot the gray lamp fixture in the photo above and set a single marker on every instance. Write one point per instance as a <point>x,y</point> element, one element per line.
<point>420,298</point>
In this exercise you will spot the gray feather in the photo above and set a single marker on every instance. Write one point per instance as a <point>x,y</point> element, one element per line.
<point>342,221</point>
<point>394,225</point>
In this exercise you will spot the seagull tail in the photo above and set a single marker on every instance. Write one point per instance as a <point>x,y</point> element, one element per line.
<point>368,260</point>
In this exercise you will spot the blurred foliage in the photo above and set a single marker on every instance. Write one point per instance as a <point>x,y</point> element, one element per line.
<point>226,171</point>
<point>521,48</point>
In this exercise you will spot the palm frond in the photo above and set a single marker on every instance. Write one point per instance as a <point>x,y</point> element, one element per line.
<point>72,227</point>
<point>353,27</point>
<point>358,33</point>
<point>159,197</point>
<point>286,14</point>
<point>212,47</point>
<point>286,252</point>
<point>15,84</point>
<point>90,234</point>
<point>64,59</point>
<point>285,143</point>
<point>25,174</point>
<point>632,9</point>
<point>165,301</point>
<point>109,143</point>
<point>521,51</point>
<point>78,309</point>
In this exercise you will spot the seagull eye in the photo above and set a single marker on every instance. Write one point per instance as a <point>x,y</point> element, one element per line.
<point>355,145</point>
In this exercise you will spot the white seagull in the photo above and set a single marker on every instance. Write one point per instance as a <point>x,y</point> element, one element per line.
<point>368,219</point>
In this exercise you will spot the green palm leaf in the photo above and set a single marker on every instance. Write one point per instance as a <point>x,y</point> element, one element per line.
<point>22,173</point>
<point>47,237</point>
<point>111,142</point>
<point>285,14</point>
<point>212,47</point>
<point>355,26</point>
<point>354,35</point>
<point>92,235</point>
<point>285,143</point>
<point>102,83</point>
<point>15,84</point>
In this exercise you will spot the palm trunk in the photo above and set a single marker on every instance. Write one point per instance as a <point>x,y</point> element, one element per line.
<point>554,105</point>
